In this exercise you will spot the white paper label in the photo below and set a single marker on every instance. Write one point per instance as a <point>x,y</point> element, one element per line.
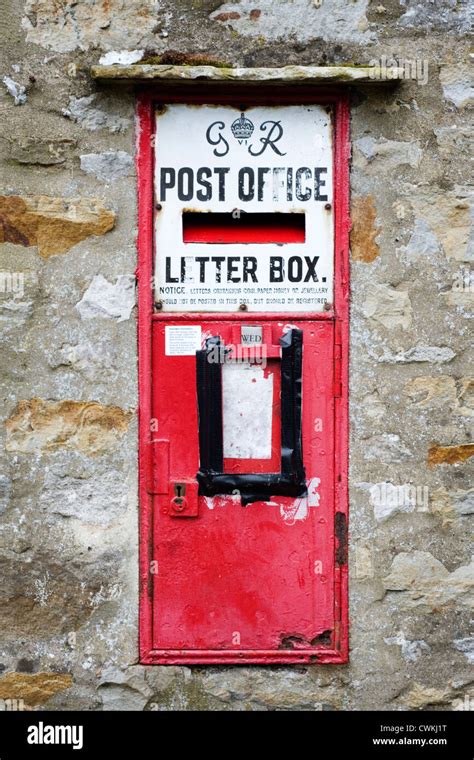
<point>182,340</point>
<point>251,335</point>
<point>247,408</point>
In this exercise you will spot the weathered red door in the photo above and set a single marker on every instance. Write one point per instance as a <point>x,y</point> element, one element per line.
<point>244,536</point>
<point>254,578</point>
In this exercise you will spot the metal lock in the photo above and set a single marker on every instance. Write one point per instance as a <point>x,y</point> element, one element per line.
<point>184,501</point>
<point>179,503</point>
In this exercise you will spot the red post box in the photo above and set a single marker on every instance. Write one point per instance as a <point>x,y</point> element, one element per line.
<point>243,323</point>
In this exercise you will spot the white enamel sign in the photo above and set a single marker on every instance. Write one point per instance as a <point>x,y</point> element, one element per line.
<point>246,209</point>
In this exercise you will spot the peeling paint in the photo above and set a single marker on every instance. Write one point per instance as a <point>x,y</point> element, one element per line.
<point>297,641</point>
<point>69,519</point>
<point>291,510</point>
<point>298,509</point>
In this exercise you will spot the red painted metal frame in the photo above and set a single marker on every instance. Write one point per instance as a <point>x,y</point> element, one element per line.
<point>145,117</point>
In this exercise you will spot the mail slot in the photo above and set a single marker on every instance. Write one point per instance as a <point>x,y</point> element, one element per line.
<point>240,227</point>
<point>243,411</point>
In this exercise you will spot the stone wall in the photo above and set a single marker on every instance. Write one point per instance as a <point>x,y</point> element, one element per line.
<point>68,482</point>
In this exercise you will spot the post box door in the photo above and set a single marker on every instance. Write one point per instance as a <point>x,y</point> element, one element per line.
<point>243,521</point>
<point>243,380</point>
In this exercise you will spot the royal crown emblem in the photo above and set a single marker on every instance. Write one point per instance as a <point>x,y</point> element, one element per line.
<point>242,128</point>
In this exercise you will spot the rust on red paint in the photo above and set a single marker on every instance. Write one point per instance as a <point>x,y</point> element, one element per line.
<point>295,641</point>
<point>340,529</point>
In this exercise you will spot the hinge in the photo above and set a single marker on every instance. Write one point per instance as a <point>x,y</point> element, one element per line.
<point>158,467</point>
<point>337,387</point>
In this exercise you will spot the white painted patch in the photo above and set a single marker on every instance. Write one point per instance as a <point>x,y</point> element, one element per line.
<point>17,91</point>
<point>105,300</point>
<point>299,510</point>
<point>123,57</point>
<point>247,409</point>
<point>182,340</point>
<point>291,513</point>
<point>221,501</point>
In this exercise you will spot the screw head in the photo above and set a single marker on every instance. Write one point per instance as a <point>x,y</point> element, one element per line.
<point>243,307</point>
<point>328,206</point>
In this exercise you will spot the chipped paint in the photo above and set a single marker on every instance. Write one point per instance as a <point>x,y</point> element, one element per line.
<point>291,510</point>
<point>297,641</point>
<point>298,509</point>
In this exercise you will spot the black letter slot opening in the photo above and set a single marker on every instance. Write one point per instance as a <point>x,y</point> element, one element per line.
<point>243,227</point>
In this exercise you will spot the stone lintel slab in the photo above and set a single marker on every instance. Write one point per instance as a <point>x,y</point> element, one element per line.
<point>304,75</point>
